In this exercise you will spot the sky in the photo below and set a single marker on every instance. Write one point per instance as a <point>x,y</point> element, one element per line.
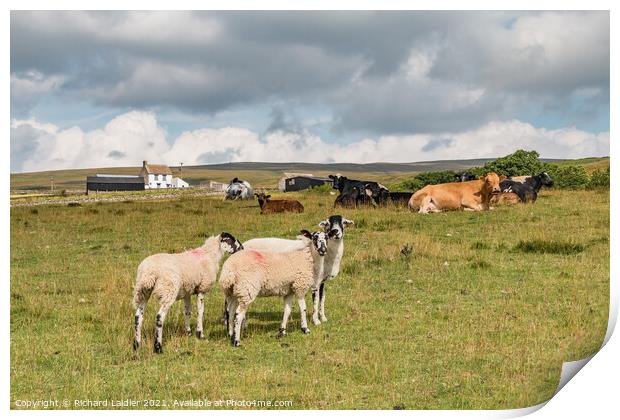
<point>107,89</point>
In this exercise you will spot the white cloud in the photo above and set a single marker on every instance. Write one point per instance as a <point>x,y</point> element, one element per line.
<point>135,136</point>
<point>131,136</point>
<point>29,87</point>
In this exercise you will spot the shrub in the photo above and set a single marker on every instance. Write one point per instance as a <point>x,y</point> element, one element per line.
<point>521,162</point>
<point>427,178</point>
<point>570,176</point>
<point>599,179</point>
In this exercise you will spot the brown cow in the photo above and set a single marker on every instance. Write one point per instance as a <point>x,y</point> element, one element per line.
<point>505,198</point>
<point>469,195</point>
<point>277,206</point>
<point>520,179</point>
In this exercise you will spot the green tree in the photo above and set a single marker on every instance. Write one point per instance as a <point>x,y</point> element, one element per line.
<point>570,176</point>
<point>521,162</point>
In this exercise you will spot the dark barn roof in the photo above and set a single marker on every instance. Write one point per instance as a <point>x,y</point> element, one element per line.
<point>116,179</point>
<point>114,183</point>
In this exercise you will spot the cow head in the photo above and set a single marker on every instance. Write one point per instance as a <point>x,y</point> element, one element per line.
<point>319,240</point>
<point>546,180</point>
<point>338,181</point>
<point>335,226</point>
<point>491,183</point>
<point>262,198</point>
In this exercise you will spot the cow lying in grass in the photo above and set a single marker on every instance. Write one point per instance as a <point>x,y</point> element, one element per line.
<point>382,197</point>
<point>505,198</point>
<point>469,195</point>
<point>526,188</point>
<point>277,206</point>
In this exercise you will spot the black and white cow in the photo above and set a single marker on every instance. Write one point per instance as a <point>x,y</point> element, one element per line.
<point>335,249</point>
<point>528,190</point>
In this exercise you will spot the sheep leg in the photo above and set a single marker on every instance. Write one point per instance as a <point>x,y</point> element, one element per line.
<point>159,326</point>
<point>232,307</point>
<point>322,296</point>
<point>288,306</point>
<point>302,310</point>
<point>139,318</point>
<point>239,315</point>
<point>200,310</point>
<point>188,314</point>
<point>225,318</point>
<point>315,305</point>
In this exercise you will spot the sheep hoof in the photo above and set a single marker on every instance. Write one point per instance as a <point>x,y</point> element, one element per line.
<point>136,344</point>
<point>200,335</point>
<point>236,343</point>
<point>305,330</point>
<point>323,318</point>
<point>188,332</point>
<point>158,348</point>
<point>316,321</point>
<point>281,333</point>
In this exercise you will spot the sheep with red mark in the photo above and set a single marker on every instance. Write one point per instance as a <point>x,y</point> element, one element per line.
<point>249,274</point>
<point>171,277</point>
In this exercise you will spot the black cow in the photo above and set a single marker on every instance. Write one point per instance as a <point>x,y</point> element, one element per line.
<point>383,197</point>
<point>400,198</point>
<point>528,190</point>
<point>543,179</point>
<point>352,191</point>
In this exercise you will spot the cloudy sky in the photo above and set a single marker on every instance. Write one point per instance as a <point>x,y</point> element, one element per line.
<point>95,89</point>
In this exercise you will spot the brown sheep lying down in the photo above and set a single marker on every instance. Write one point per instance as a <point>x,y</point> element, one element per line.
<point>277,206</point>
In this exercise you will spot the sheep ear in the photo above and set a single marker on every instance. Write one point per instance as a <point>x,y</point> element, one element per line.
<point>348,222</point>
<point>268,196</point>
<point>324,223</point>
<point>306,233</point>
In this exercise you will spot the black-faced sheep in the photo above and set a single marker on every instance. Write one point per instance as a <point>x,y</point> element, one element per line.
<point>335,249</point>
<point>249,274</point>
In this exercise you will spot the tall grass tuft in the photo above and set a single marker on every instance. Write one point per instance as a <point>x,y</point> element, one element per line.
<point>549,247</point>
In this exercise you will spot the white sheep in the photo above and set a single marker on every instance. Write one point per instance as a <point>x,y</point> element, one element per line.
<point>249,274</point>
<point>170,277</point>
<point>335,249</point>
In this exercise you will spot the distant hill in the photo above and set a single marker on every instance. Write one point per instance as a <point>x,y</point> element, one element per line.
<point>264,174</point>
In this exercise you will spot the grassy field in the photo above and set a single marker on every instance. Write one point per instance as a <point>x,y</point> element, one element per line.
<point>480,314</point>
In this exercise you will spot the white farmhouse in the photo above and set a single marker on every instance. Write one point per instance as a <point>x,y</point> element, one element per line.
<point>156,176</point>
